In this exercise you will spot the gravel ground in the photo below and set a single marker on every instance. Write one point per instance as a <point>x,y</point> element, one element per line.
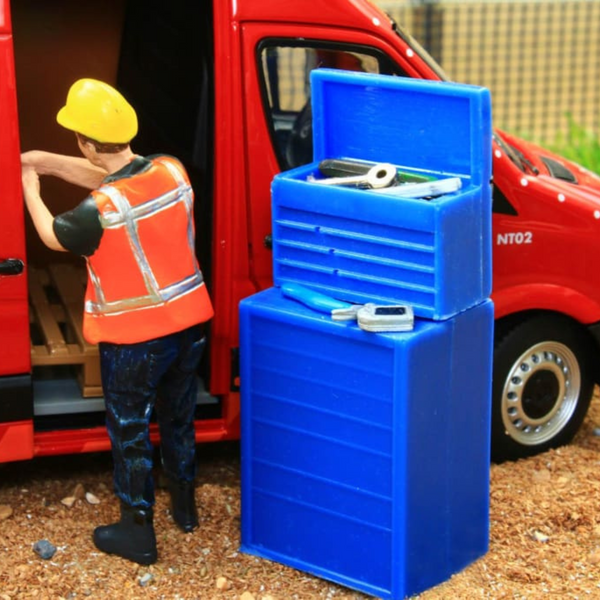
<point>545,534</point>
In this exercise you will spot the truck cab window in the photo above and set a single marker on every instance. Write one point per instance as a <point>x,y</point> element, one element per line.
<point>285,72</point>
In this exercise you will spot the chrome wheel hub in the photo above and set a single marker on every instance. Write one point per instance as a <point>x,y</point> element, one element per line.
<point>541,393</point>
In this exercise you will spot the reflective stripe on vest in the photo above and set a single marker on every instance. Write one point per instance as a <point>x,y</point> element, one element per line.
<point>127,216</point>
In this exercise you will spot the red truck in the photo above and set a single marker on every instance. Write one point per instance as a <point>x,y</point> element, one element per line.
<point>223,86</point>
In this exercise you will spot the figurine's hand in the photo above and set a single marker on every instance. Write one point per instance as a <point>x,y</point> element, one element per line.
<point>30,179</point>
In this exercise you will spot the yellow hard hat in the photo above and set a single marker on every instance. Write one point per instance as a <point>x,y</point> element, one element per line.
<point>98,111</point>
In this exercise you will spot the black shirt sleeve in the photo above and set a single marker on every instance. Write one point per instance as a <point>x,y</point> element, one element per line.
<point>79,230</point>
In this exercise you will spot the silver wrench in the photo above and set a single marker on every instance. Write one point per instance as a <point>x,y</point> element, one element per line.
<point>379,176</point>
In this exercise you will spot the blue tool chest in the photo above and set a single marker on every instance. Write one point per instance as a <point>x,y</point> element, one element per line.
<point>365,454</point>
<point>365,457</point>
<point>371,246</point>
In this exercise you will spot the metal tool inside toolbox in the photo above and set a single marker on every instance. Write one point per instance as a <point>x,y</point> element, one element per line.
<point>384,177</point>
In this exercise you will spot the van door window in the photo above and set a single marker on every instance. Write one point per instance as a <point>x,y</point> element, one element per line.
<point>285,71</point>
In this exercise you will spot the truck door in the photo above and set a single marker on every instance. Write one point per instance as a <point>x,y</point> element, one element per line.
<point>16,401</point>
<point>278,59</point>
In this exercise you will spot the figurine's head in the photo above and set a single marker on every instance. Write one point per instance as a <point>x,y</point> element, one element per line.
<point>98,114</point>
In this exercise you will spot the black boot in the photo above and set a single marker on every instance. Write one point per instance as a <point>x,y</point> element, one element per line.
<point>183,505</point>
<point>132,537</point>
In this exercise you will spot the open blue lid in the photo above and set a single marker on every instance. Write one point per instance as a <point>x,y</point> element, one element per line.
<point>417,124</point>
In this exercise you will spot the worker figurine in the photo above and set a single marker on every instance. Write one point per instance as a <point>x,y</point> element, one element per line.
<point>146,302</point>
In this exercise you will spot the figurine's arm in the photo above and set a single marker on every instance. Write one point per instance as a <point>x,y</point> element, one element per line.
<point>74,169</point>
<point>40,215</point>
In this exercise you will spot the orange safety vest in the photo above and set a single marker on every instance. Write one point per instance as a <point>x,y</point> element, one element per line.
<point>144,280</point>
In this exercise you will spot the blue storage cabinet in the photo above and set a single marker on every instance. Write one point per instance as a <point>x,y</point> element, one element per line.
<point>366,246</point>
<point>365,457</point>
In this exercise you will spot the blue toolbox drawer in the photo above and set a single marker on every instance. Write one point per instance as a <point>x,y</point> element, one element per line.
<point>365,456</point>
<point>371,246</point>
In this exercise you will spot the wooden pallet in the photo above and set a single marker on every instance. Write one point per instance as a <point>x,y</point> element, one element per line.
<point>56,313</point>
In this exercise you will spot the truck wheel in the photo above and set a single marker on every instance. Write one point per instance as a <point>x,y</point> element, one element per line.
<point>542,385</point>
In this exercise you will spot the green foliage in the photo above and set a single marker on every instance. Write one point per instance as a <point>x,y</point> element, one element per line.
<point>579,145</point>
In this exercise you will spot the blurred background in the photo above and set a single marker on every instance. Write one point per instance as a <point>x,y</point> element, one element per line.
<point>539,58</point>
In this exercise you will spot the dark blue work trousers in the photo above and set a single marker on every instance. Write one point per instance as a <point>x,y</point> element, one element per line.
<point>158,374</point>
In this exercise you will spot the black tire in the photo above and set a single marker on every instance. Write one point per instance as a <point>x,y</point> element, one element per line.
<point>542,385</point>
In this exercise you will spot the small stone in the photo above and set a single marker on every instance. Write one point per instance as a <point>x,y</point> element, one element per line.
<point>247,596</point>
<point>146,579</point>
<point>44,549</point>
<point>539,537</point>
<point>69,501</point>
<point>542,475</point>
<point>78,492</point>
<point>596,431</point>
<point>594,557</point>
<point>222,583</point>
<point>5,512</point>
<point>91,499</point>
